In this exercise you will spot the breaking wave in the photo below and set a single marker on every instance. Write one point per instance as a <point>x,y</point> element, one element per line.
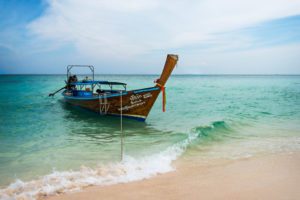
<point>130,169</point>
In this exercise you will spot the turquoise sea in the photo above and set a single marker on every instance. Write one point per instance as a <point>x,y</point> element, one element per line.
<point>47,146</point>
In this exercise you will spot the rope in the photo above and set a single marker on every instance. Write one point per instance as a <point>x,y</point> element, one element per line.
<point>121,126</point>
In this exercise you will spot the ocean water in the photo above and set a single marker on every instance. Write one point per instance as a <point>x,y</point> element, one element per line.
<point>48,147</point>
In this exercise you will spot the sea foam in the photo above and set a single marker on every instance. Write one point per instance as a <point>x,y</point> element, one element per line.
<point>130,169</point>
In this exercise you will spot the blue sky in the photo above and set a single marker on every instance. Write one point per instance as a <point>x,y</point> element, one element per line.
<point>134,36</point>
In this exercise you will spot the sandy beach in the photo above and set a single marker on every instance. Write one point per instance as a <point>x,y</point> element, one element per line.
<point>149,100</point>
<point>275,176</point>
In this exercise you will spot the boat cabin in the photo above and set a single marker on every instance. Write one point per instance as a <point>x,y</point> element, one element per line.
<point>90,88</point>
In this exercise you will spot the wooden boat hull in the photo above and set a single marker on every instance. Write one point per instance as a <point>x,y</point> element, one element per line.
<point>132,104</point>
<point>135,104</point>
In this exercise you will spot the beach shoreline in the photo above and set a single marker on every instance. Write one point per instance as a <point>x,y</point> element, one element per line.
<point>273,176</point>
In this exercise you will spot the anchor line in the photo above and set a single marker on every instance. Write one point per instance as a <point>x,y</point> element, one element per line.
<point>121,126</point>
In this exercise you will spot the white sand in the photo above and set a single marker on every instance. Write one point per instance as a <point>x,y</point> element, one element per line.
<point>264,177</point>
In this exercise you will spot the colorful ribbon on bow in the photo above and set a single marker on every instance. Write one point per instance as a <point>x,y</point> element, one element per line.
<point>164,99</point>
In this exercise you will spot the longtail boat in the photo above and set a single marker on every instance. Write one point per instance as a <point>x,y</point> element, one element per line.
<point>136,104</point>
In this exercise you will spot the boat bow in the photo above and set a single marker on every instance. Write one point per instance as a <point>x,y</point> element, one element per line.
<point>171,62</point>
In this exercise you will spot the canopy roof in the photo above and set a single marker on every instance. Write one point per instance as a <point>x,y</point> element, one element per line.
<point>98,82</point>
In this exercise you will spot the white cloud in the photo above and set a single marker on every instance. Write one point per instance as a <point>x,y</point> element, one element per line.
<point>100,28</point>
<point>266,60</point>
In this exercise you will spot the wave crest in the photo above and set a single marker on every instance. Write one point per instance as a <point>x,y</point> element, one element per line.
<point>130,169</point>
<point>216,129</point>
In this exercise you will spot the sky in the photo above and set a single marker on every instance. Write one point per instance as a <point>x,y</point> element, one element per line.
<point>134,36</point>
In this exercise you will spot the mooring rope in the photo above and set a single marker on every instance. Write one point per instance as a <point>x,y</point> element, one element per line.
<point>121,126</point>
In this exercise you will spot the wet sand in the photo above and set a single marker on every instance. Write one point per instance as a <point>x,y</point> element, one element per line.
<point>262,177</point>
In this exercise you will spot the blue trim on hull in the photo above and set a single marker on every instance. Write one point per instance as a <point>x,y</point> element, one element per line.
<point>145,90</point>
<point>109,96</point>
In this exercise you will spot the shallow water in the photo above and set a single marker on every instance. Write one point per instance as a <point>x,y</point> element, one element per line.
<point>48,146</point>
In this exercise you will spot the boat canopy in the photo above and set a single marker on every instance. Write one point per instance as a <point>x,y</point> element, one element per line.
<point>98,82</point>
<point>85,83</point>
<point>90,82</point>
